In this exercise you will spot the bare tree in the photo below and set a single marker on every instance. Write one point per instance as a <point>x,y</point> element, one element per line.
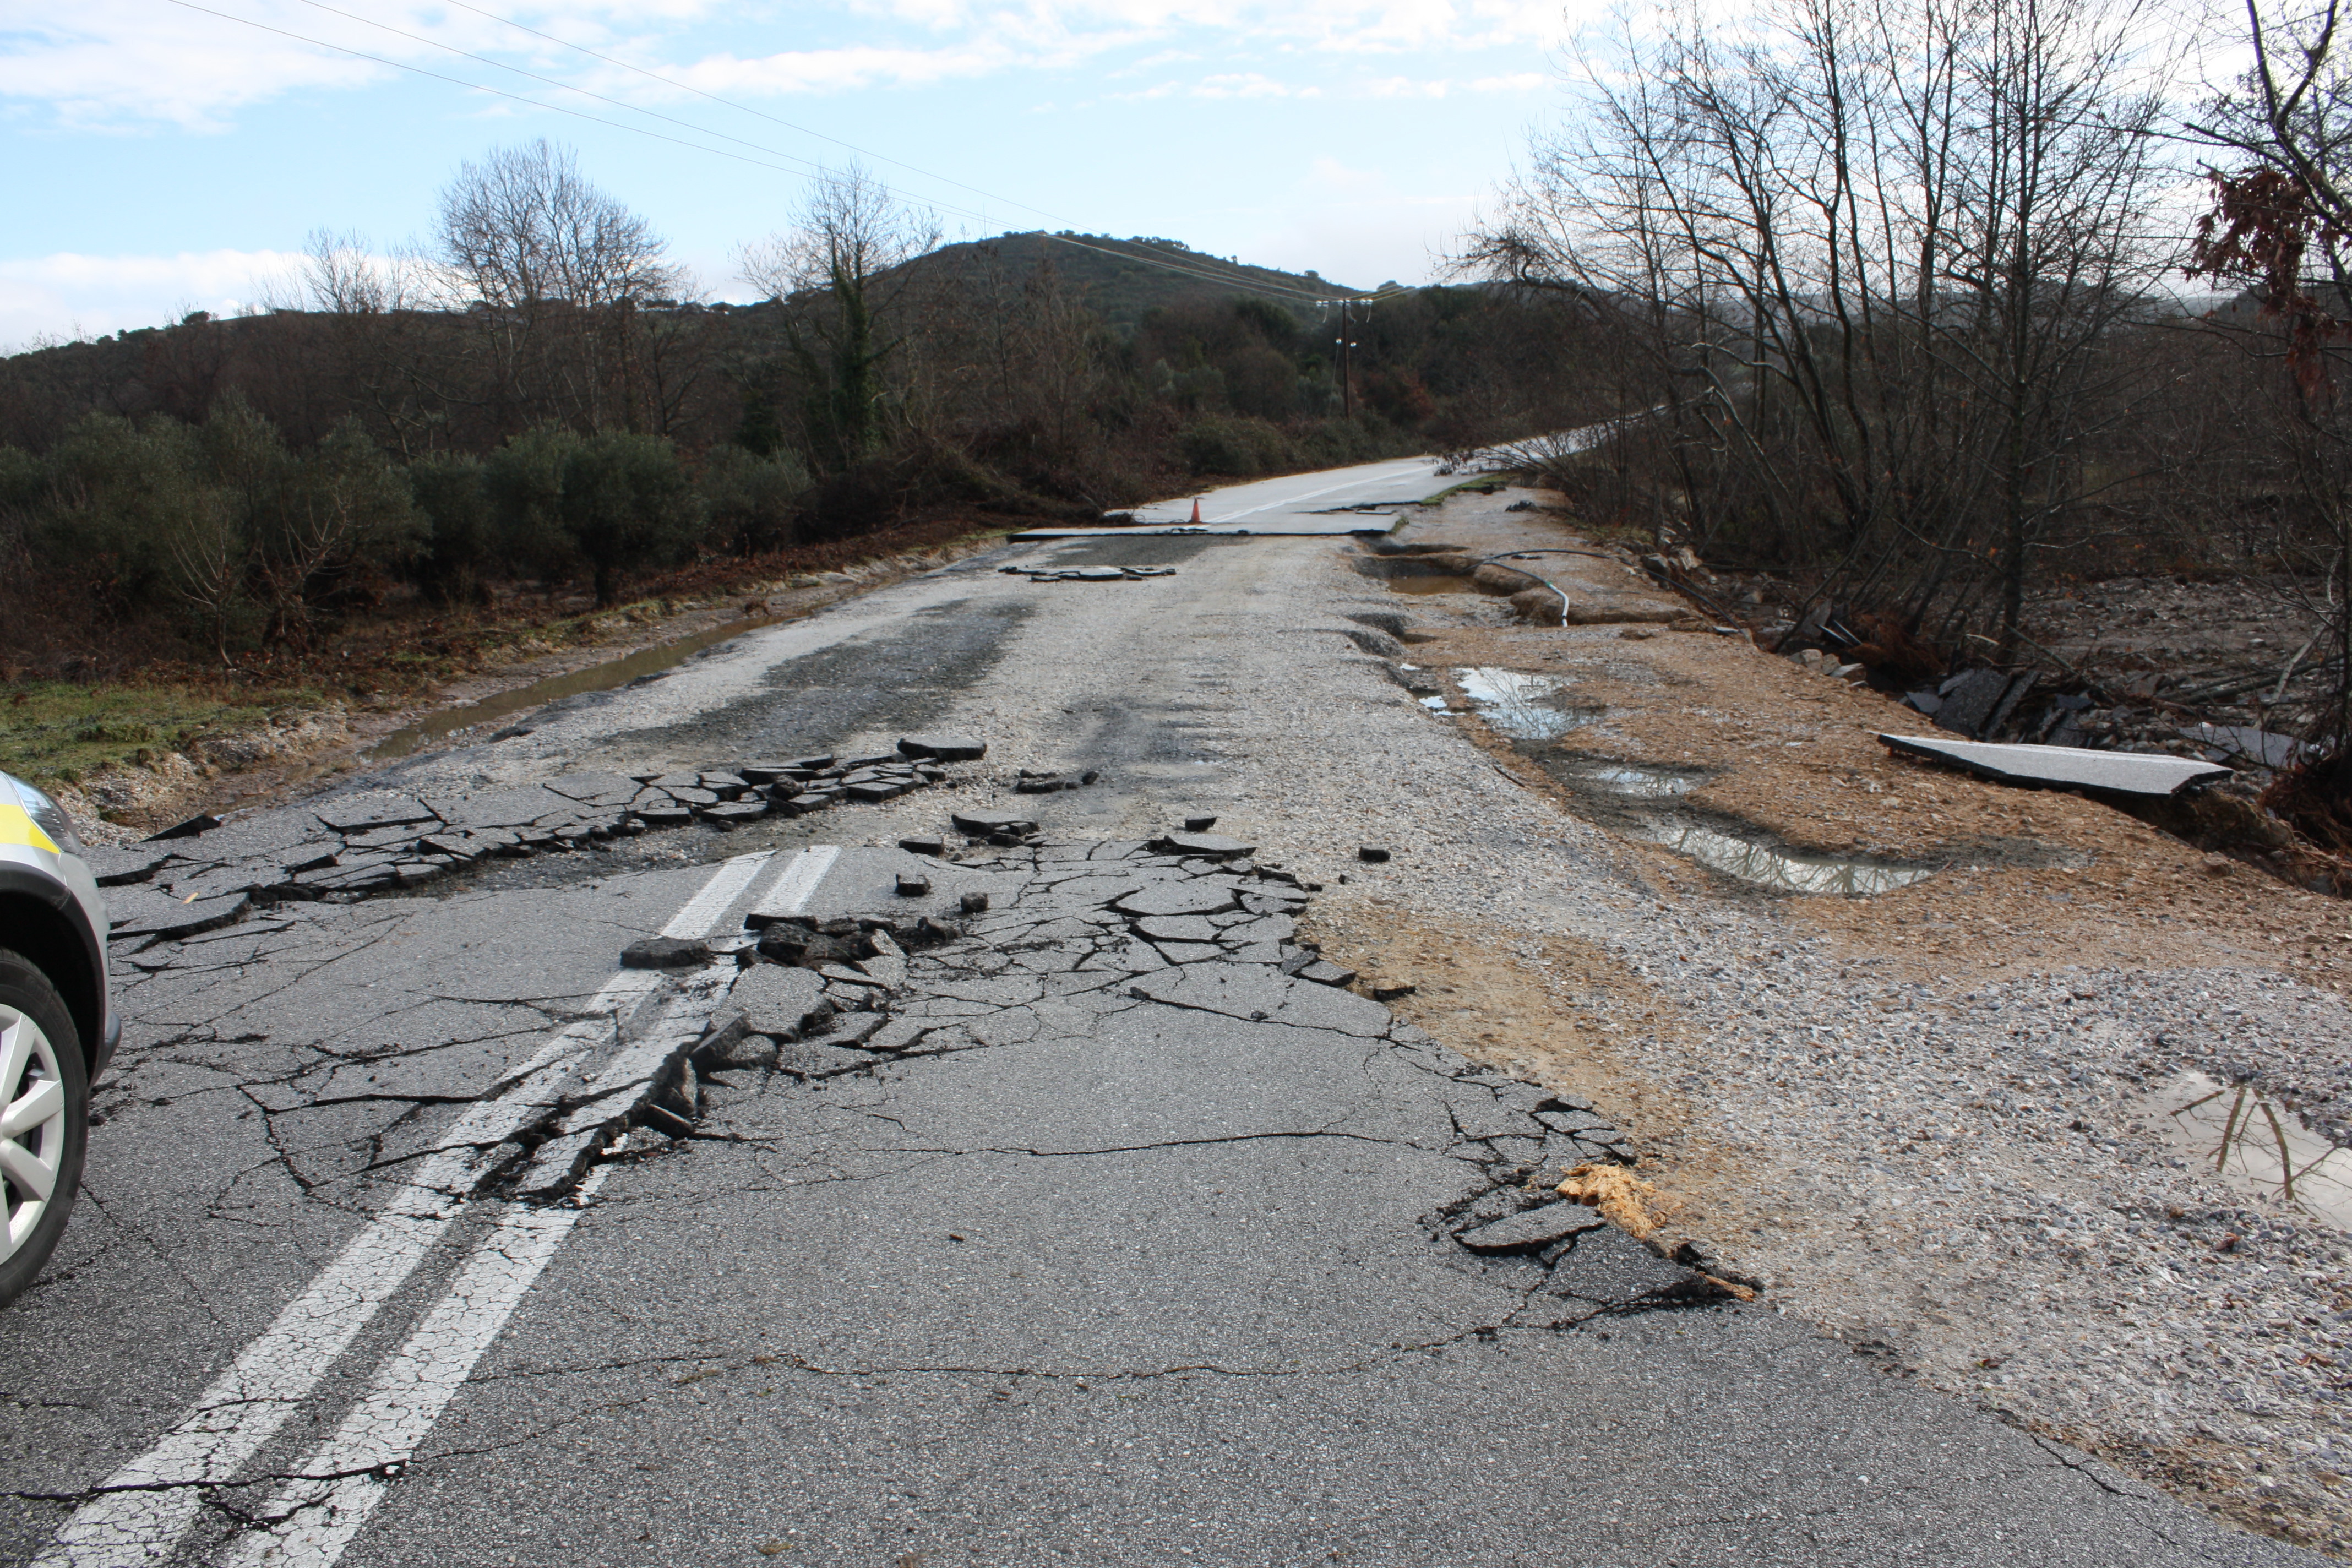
<point>841,274</point>
<point>1871,259</point>
<point>555,272</point>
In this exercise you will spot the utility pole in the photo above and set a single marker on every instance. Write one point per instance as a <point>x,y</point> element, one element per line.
<point>1347,378</point>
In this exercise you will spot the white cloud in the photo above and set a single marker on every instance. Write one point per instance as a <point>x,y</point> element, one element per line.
<point>1440,86</point>
<point>132,61</point>
<point>66,295</point>
<point>1249,84</point>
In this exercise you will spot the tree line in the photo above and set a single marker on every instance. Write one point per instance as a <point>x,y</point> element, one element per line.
<point>532,396</point>
<point>1932,304</point>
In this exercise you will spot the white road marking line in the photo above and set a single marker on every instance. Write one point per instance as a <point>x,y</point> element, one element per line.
<point>790,894</point>
<point>319,1518</point>
<point>703,909</point>
<point>145,1506</point>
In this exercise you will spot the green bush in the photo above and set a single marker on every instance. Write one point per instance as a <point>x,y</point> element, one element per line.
<point>461,538</point>
<point>752,501</point>
<point>628,505</point>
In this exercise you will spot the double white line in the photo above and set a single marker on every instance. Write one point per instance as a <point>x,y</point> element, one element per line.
<point>143,1510</point>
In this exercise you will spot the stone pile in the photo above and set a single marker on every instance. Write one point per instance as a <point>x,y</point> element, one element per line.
<point>206,873</point>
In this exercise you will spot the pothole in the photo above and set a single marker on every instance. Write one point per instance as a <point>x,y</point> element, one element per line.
<point>2257,1145</point>
<point>1432,584</point>
<point>1524,707</point>
<point>1784,869</point>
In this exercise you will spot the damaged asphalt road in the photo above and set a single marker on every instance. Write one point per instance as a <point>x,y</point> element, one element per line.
<point>1042,1213</point>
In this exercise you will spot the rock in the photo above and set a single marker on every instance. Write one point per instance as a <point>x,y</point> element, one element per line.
<point>1198,896</point>
<point>1199,824</point>
<point>1043,784</point>
<point>946,748</point>
<point>911,886</point>
<point>975,903</point>
<point>982,823</point>
<point>1323,972</point>
<point>775,999</point>
<point>1532,1230</point>
<point>1214,846</point>
<point>930,844</point>
<point>664,953</point>
<point>1371,854</point>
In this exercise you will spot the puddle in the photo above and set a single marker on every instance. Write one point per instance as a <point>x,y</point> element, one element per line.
<point>594,677</point>
<point>1524,707</point>
<point>1435,704</point>
<point>2257,1145</point>
<point>1643,783</point>
<point>1431,585</point>
<point>1785,870</point>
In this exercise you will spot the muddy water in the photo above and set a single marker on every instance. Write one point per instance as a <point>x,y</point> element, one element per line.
<point>2256,1145</point>
<point>603,676</point>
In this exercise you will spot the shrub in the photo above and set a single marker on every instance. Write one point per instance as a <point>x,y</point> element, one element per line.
<point>750,502</point>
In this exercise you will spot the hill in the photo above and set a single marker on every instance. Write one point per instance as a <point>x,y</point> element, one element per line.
<point>1122,279</point>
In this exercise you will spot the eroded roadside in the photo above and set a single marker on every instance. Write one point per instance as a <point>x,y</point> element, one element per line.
<point>1933,1107</point>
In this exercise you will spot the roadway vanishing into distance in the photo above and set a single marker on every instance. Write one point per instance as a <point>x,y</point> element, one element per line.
<point>1040,1203</point>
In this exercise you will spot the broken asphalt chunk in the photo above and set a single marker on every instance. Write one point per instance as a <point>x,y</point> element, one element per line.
<point>1371,854</point>
<point>1199,824</point>
<point>2063,767</point>
<point>945,748</point>
<point>202,822</point>
<point>982,823</point>
<point>1530,1230</point>
<point>928,844</point>
<point>1323,972</point>
<point>912,886</point>
<point>374,808</point>
<point>779,1000</point>
<point>1196,897</point>
<point>664,953</point>
<point>1213,845</point>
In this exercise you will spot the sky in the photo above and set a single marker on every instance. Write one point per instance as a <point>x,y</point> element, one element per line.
<point>169,155</point>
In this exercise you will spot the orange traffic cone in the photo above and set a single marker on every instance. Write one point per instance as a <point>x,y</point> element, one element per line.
<point>1196,508</point>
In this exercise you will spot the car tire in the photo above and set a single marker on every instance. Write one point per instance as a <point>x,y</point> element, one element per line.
<point>44,1120</point>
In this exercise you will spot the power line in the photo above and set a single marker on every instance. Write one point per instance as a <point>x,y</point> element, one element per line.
<point>743,108</point>
<point>1237,276</point>
<point>1234,279</point>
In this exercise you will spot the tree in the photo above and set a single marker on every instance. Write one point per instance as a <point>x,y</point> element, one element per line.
<point>2278,226</point>
<point>556,272</point>
<point>1871,260</point>
<point>840,274</point>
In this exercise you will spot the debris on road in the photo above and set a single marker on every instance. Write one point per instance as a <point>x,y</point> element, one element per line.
<point>664,953</point>
<point>1088,573</point>
<point>1623,1199</point>
<point>206,873</point>
<point>1371,854</point>
<point>2064,767</point>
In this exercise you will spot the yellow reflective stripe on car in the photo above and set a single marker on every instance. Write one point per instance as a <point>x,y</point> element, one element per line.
<point>17,828</point>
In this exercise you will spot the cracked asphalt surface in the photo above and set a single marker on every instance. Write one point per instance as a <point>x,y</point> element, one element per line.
<point>1059,1235</point>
